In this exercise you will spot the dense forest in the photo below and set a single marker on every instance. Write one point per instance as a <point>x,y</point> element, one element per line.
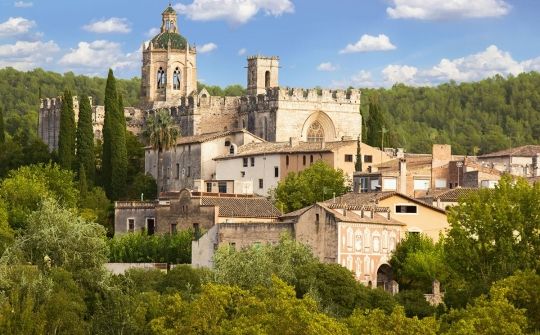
<point>475,118</point>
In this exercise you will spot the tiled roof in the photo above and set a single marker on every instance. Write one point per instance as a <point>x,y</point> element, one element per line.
<point>413,163</point>
<point>253,149</point>
<point>371,198</point>
<point>209,137</point>
<point>379,217</point>
<point>245,207</point>
<point>524,151</point>
<point>450,195</point>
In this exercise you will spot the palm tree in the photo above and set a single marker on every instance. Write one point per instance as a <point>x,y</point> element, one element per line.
<point>161,134</point>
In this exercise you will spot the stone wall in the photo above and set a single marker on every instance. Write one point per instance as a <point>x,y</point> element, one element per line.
<point>319,231</point>
<point>243,235</point>
<point>138,211</point>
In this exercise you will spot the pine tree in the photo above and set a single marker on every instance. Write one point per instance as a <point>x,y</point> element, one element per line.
<point>85,141</point>
<point>114,158</point>
<point>66,135</point>
<point>2,134</point>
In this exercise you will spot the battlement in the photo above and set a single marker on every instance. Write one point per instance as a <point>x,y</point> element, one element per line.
<point>263,57</point>
<point>305,95</point>
<point>55,103</point>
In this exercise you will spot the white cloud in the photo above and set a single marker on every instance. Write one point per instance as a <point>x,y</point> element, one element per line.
<point>447,9</point>
<point>100,54</point>
<point>233,11</point>
<point>478,66</point>
<point>152,32</point>
<point>16,26</point>
<point>208,47</point>
<point>369,43</point>
<point>112,25</point>
<point>360,79</point>
<point>25,55</point>
<point>327,67</point>
<point>22,4</point>
<point>242,52</point>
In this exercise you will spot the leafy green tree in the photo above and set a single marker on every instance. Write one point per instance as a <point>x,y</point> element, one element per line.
<point>255,265</point>
<point>319,182</point>
<point>143,186</point>
<point>161,134</point>
<point>26,188</point>
<point>7,234</point>
<point>493,234</point>
<point>377,322</point>
<point>85,141</point>
<point>417,262</point>
<point>66,134</point>
<point>2,131</point>
<point>415,303</point>
<point>95,207</point>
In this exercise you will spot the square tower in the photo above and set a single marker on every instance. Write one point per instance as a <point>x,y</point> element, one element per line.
<point>262,74</point>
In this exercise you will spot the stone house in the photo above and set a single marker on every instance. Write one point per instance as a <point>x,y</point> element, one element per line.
<point>445,198</point>
<point>191,160</point>
<point>187,209</point>
<point>265,164</point>
<point>521,161</point>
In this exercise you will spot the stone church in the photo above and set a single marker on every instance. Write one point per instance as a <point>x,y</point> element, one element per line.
<point>270,112</point>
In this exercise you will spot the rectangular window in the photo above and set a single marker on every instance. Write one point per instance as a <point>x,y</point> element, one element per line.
<point>222,186</point>
<point>406,209</point>
<point>189,171</point>
<point>389,184</point>
<point>276,171</point>
<point>131,225</point>
<point>177,171</point>
<point>252,161</point>
<point>174,228</point>
<point>311,159</point>
<point>245,162</point>
<point>287,160</point>
<point>317,218</point>
<point>368,159</point>
<point>421,184</point>
<point>440,183</point>
<point>242,174</point>
<point>304,160</point>
<point>348,158</point>
<point>261,183</point>
<point>208,187</point>
<point>364,182</point>
<point>189,148</point>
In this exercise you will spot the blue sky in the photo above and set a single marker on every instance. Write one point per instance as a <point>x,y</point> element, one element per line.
<point>335,43</point>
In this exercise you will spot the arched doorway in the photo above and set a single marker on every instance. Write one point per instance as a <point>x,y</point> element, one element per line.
<point>384,277</point>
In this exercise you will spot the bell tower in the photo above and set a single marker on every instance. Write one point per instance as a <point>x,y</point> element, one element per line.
<point>169,70</point>
<point>262,74</point>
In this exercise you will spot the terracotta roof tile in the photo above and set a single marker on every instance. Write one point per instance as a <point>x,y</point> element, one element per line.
<point>371,198</point>
<point>524,151</point>
<point>450,195</point>
<point>253,207</point>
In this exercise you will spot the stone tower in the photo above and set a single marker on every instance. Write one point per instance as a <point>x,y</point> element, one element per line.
<point>262,74</point>
<point>169,70</point>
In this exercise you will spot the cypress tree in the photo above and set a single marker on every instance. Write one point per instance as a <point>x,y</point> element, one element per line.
<point>83,186</point>
<point>85,141</point>
<point>375,123</point>
<point>119,159</point>
<point>114,158</point>
<point>2,134</point>
<point>66,134</point>
<point>358,163</point>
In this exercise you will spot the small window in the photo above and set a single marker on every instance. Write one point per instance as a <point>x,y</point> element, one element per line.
<point>252,161</point>
<point>208,187</point>
<point>287,160</point>
<point>317,218</point>
<point>276,171</point>
<point>196,231</point>
<point>245,162</point>
<point>174,228</point>
<point>222,186</point>
<point>232,245</point>
<point>131,225</point>
<point>406,209</point>
<point>421,184</point>
<point>188,171</point>
<point>189,148</point>
<point>177,171</point>
<point>348,158</point>
<point>231,150</point>
<point>227,143</point>
<point>311,159</point>
<point>243,173</point>
<point>440,183</point>
<point>368,159</point>
<point>261,183</point>
<point>304,160</point>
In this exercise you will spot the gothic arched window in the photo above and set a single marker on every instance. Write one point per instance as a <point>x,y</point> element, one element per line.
<point>161,78</point>
<point>176,79</point>
<point>315,132</point>
<point>267,79</point>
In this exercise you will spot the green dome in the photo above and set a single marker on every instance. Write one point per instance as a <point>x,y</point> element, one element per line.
<point>162,41</point>
<point>169,10</point>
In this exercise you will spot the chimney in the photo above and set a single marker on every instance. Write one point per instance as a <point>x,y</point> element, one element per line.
<point>344,211</point>
<point>402,176</point>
